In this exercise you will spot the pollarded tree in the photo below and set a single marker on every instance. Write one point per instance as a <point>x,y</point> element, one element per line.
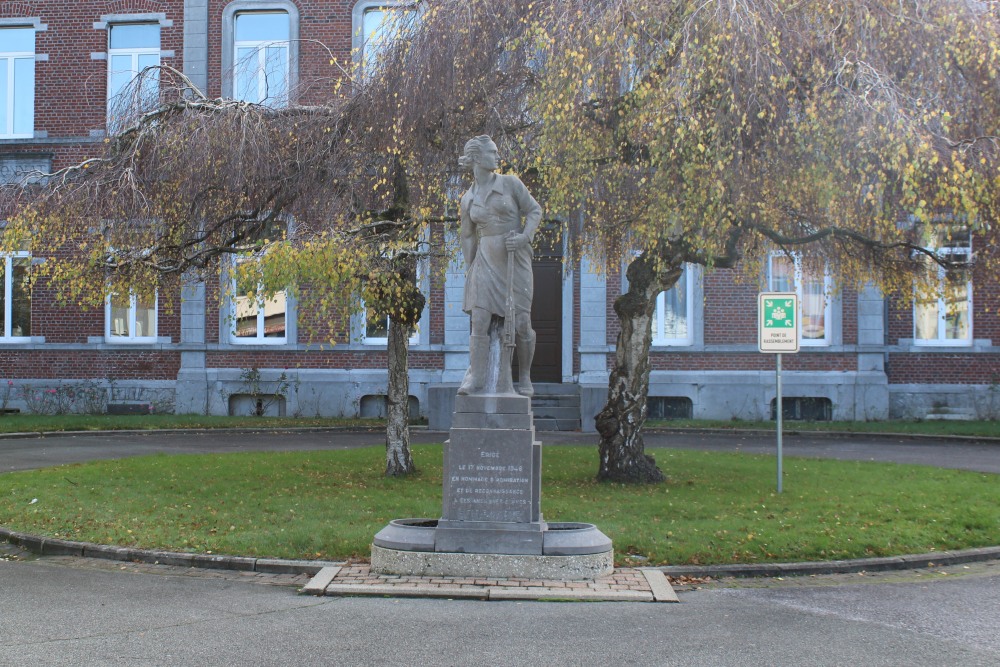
<point>713,133</point>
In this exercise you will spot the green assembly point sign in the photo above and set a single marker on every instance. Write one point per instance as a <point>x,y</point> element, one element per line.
<point>777,322</point>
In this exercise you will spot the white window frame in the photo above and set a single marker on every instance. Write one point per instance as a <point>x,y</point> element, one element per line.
<point>826,340</point>
<point>8,60</point>
<point>358,37</point>
<point>131,337</point>
<point>229,63</point>
<point>422,274</point>
<point>942,305</point>
<point>260,338</point>
<point>260,48</point>
<point>134,53</point>
<point>384,340</point>
<point>659,314</point>
<point>6,335</point>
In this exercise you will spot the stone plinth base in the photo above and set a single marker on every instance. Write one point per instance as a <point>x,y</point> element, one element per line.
<point>557,539</point>
<point>431,564</point>
<point>491,522</point>
<point>492,479</point>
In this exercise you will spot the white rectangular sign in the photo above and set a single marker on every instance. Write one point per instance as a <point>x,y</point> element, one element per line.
<point>778,322</point>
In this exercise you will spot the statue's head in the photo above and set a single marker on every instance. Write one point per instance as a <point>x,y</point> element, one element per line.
<point>475,148</point>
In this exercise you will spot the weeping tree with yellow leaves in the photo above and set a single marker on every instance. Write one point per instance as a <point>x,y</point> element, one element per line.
<point>281,199</point>
<point>852,132</point>
<point>716,132</point>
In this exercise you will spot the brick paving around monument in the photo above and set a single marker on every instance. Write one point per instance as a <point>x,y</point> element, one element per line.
<point>626,584</point>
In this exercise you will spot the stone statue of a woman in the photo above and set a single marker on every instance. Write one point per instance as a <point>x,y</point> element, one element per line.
<point>492,233</point>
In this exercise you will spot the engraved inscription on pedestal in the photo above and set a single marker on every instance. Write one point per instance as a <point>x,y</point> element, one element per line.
<point>492,479</point>
<point>489,480</point>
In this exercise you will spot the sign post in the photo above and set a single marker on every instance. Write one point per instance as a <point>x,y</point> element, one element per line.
<point>778,332</point>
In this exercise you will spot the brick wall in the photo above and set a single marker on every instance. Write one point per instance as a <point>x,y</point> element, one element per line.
<point>71,88</point>
<point>85,364</point>
<point>716,361</point>
<point>730,308</point>
<point>71,104</point>
<point>334,359</point>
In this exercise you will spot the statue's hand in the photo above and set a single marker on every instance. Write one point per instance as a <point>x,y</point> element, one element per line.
<point>516,241</point>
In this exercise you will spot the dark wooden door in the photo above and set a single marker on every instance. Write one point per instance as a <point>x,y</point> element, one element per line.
<point>546,306</point>
<point>546,319</point>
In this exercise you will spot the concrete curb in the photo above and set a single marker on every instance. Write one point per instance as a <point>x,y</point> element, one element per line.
<point>660,430</point>
<point>181,431</point>
<point>50,546</point>
<point>884,564</point>
<point>666,430</point>
<point>317,585</point>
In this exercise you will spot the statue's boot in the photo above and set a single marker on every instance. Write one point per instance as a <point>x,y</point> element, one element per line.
<point>475,377</point>
<point>525,355</point>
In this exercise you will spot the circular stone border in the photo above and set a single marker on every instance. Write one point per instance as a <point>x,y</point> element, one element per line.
<point>443,564</point>
<point>48,546</point>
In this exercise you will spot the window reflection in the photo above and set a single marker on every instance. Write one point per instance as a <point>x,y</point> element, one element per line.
<point>787,274</point>
<point>945,316</point>
<point>261,58</point>
<point>672,318</point>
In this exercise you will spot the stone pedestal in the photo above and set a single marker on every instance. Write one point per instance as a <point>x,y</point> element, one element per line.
<point>491,520</point>
<point>492,478</point>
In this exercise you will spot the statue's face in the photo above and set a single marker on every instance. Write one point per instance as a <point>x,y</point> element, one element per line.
<point>488,157</point>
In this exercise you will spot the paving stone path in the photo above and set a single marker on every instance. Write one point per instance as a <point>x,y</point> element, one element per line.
<point>624,584</point>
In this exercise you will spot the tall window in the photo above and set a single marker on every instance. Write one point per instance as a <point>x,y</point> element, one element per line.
<point>377,330</point>
<point>130,318</point>
<point>132,47</point>
<point>673,318</point>
<point>256,320</point>
<point>16,307</point>
<point>377,24</point>
<point>17,82</point>
<point>260,58</point>
<point>944,317</point>
<point>787,274</point>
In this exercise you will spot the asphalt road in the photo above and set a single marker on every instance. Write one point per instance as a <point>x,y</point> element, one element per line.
<point>54,614</point>
<point>37,452</point>
<point>57,615</point>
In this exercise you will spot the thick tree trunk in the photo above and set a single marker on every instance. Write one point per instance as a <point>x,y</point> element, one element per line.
<point>622,450</point>
<point>398,460</point>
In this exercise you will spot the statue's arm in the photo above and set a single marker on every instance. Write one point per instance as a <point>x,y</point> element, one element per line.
<point>529,208</point>
<point>467,235</point>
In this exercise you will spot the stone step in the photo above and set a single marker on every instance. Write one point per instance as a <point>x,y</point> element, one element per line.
<point>556,407</point>
<point>950,414</point>
<point>561,400</point>
<point>556,412</point>
<point>551,424</point>
<point>554,388</point>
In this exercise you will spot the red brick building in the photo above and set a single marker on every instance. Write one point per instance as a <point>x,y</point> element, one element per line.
<point>61,65</point>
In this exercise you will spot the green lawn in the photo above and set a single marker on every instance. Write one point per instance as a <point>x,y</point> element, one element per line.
<point>716,508</point>
<point>20,423</point>
<point>15,423</point>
